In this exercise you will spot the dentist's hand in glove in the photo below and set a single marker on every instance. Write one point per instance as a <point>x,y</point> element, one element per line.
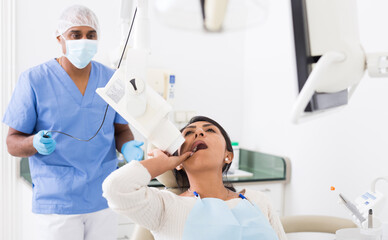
<point>132,151</point>
<point>44,143</point>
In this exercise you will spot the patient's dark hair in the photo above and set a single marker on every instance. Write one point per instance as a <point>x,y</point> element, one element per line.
<point>181,176</point>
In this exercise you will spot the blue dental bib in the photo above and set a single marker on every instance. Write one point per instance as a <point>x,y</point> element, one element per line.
<point>212,219</point>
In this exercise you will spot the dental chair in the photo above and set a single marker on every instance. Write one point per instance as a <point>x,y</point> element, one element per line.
<point>315,223</point>
<point>291,224</point>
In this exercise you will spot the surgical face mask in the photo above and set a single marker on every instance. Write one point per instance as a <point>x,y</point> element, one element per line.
<point>80,52</point>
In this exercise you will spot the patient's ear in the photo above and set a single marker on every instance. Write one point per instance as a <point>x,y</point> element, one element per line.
<point>228,157</point>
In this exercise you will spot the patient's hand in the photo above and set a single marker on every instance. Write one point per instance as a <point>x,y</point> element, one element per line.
<point>157,153</point>
<point>161,162</point>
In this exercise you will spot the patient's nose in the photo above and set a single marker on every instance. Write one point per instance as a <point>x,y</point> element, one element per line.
<point>199,132</point>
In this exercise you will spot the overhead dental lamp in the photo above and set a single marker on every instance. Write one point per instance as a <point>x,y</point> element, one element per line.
<point>329,56</point>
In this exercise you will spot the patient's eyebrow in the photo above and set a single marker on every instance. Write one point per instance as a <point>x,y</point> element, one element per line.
<point>205,125</point>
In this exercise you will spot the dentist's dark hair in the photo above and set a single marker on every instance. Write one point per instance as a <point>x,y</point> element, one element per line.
<point>181,176</point>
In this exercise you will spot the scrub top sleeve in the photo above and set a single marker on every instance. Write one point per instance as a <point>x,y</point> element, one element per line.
<point>21,111</point>
<point>119,119</point>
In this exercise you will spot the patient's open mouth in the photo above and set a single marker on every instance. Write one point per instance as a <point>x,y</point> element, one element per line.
<point>198,145</point>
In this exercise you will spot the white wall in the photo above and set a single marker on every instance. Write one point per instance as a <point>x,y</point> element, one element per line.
<point>209,71</point>
<point>345,149</point>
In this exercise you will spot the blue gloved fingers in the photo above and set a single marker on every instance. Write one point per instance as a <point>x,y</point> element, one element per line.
<point>132,151</point>
<point>50,147</point>
<point>135,154</point>
<point>123,147</point>
<point>46,140</point>
<point>47,151</point>
<point>131,144</point>
<point>44,145</point>
<point>139,154</point>
<point>138,143</point>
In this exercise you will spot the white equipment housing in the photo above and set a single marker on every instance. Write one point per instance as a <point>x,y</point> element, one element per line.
<point>331,35</point>
<point>130,95</point>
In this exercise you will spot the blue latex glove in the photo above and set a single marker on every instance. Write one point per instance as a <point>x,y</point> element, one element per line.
<point>44,145</point>
<point>132,151</point>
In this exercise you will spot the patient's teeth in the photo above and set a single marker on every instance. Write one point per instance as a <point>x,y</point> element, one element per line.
<point>195,149</point>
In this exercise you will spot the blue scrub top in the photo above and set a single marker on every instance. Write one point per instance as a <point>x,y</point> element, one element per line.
<point>69,180</point>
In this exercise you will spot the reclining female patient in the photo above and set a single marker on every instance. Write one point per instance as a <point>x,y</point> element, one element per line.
<point>208,209</point>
